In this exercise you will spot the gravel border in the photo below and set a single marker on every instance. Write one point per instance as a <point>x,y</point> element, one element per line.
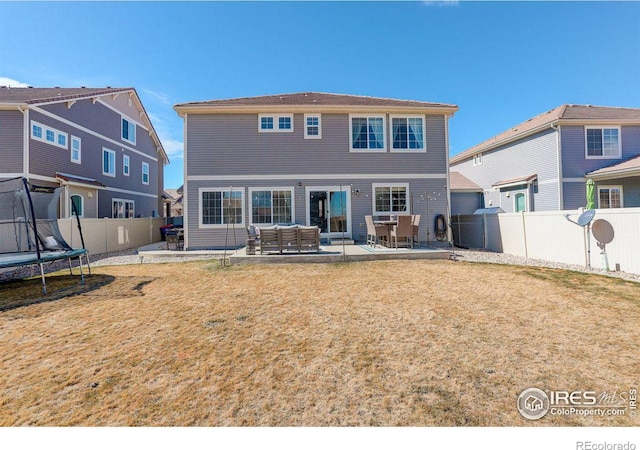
<point>132,257</point>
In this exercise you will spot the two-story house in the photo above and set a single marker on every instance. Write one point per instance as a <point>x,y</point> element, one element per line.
<point>313,159</point>
<point>544,163</point>
<point>98,142</point>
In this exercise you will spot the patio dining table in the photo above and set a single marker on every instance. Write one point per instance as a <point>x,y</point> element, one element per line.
<point>389,223</point>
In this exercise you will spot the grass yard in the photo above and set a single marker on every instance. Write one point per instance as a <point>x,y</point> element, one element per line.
<point>387,343</point>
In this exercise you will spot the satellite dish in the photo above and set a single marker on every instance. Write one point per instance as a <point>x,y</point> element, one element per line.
<point>586,217</point>
<point>603,231</point>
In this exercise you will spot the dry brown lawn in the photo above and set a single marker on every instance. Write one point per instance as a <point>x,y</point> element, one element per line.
<point>393,343</point>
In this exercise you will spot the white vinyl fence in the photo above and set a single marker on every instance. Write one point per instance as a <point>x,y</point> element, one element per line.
<point>111,235</point>
<point>550,236</point>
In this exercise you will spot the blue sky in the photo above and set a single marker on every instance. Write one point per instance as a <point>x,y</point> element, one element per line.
<point>500,62</point>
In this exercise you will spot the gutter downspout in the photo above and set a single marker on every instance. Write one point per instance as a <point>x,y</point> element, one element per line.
<point>448,186</point>
<point>558,130</point>
<point>25,140</point>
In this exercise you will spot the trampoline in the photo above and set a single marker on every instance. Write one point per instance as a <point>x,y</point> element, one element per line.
<point>29,233</point>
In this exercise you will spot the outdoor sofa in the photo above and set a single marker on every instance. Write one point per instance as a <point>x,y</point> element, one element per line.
<point>294,238</point>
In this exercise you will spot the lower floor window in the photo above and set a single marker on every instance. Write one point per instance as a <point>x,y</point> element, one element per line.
<point>610,196</point>
<point>77,205</point>
<point>390,199</point>
<point>123,209</point>
<point>272,206</point>
<point>218,207</point>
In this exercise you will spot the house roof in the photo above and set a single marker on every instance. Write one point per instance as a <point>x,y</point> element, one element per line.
<point>311,99</point>
<point>628,168</point>
<point>460,183</point>
<point>515,181</point>
<point>78,180</point>
<point>564,114</point>
<point>11,97</point>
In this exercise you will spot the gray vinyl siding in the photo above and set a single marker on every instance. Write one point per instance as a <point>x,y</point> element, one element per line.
<point>232,145</point>
<point>11,139</point>
<point>465,202</point>
<point>575,195</point>
<point>574,161</point>
<point>536,154</point>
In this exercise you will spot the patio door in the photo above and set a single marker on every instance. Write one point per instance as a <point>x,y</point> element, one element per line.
<point>330,210</point>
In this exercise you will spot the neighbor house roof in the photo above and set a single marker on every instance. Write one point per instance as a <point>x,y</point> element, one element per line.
<point>316,100</point>
<point>562,115</point>
<point>460,183</point>
<point>628,168</point>
<point>20,97</point>
<point>527,179</point>
<point>78,180</point>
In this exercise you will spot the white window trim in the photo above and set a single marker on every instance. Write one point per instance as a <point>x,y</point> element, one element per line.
<point>477,160</point>
<point>611,187</point>
<point>55,132</point>
<point>384,133</point>
<point>135,125</point>
<point>112,175</point>
<point>126,162</point>
<point>319,135</point>
<point>271,189</point>
<point>389,185</point>
<point>408,150</point>
<point>133,202</point>
<point>526,201</point>
<point>276,120</point>
<point>222,225</point>
<point>79,141</point>
<point>603,127</point>
<point>71,205</point>
<point>146,172</point>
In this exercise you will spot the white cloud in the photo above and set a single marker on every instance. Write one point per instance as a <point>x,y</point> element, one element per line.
<point>158,96</point>
<point>5,81</point>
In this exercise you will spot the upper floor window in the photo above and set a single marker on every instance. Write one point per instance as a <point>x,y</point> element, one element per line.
<point>609,196</point>
<point>275,123</point>
<point>126,165</point>
<point>49,135</point>
<point>407,133</point>
<point>128,131</point>
<point>477,160</point>
<point>145,173</point>
<point>76,149</point>
<point>367,133</point>
<point>108,162</point>
<point>312,126</point>
<point>221,207</point>
<point>603,142</point>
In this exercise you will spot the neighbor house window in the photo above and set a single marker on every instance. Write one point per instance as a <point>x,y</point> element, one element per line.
<point>603,142</point>
<point>519,202</point>
<point>108,162</point>
<point>477,160</point>
<point>221,207</point>
<point>269,206</point>
<point>123,209</point>
<point>49,135</point>
<point>145,173</point>
<point>126,165</point>
<point>77,202</point>
<point>390,199</point>
<point>407,133</point>
<point>128,131</point>
<point>76,150</point>
<point>367,133</point>
<point>275,123</point>
<point>610,197</point>
<point>312,126</point>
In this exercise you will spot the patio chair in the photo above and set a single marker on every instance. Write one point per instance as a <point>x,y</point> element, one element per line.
<point>308,239</point>
<point>375,232</point>
<point>415,225</point>
<point>288,238</point>
<point>403,230</point>
<point>269,240</point>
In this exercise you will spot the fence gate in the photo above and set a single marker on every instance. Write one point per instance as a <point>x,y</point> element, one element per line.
<point>468,230</point>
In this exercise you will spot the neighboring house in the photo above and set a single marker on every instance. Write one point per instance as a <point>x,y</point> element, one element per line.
<point>174,199</point>
<point>543,164</point>
<point>98,142</point>
<point>310,158</point>
<point>466,196</point>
